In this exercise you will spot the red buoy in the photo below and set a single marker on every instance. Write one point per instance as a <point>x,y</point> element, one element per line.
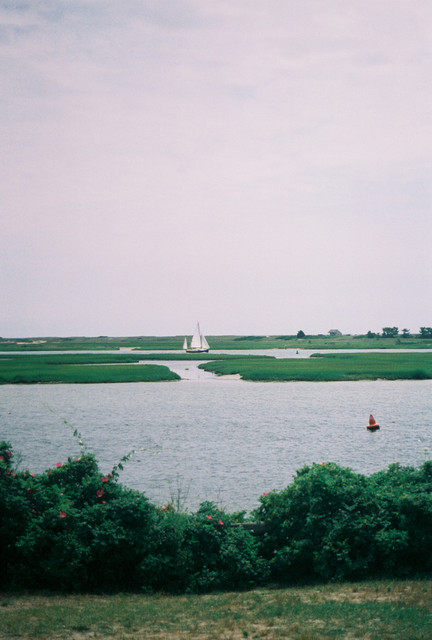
<point>373,424</point>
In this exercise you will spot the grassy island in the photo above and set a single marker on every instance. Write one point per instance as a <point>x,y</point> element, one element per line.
<point>79,368</point>
<point>84,367</point>
<point>328,367</point>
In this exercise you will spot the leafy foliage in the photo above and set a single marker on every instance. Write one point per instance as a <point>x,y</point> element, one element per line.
<point>73,528</point>
<point>332,523</point>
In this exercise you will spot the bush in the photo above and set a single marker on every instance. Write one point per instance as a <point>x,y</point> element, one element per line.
<point>332,523</point>
<point>404,545</point>
<point>73,528</point>
<point>218,555</point>
<point>83,530</point>
<point>320,526</point>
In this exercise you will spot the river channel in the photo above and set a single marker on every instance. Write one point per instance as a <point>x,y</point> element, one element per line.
<point>221,439</point>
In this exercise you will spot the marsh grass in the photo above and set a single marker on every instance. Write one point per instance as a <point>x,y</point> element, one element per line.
<point>75,368</point>
<point>81,368</point>
<point>383,610</point>
<point>27,368</point>
<point>329,367</point>
<point>216,342</point>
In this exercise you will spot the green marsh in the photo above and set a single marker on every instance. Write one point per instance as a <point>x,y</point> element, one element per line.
<point>27,368</point>
<point>79,368</point>
<point>157,343</point>
<point>328,367</point>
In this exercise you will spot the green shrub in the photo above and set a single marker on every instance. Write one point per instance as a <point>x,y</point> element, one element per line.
<point>332,523</point>
<point>320,526</point>
<point>86,531</point>
<point>218,555</point>
<point>73,528</point>
<point>404,545</point>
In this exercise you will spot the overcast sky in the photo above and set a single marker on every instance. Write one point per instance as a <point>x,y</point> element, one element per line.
<point>260,166</point>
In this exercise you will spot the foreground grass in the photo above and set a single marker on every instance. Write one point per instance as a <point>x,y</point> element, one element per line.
<point>382,610</point>
<point>329,367</point>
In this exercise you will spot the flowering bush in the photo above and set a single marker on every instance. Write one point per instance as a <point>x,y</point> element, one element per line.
<point>218,555</point>
<point>73,528</point>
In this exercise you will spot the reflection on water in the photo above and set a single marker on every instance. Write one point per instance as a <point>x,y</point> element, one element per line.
<point>226,440</point>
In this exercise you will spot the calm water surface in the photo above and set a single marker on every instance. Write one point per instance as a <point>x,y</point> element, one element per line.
<point>219,439</point>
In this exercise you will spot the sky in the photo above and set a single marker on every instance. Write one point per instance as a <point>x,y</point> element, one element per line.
<point>263,167</point>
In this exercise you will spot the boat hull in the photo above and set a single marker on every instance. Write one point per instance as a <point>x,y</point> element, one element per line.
<point>197,350</point>
<point>374,427</point>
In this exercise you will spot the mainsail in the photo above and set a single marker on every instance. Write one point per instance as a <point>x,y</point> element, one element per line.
<point>196,342</point>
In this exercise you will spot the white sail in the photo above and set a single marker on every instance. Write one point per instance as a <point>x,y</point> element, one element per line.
<point>185,344</point>
<point>204,343</point>
<point>196,338</point>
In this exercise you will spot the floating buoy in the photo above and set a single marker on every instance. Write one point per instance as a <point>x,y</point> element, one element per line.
<point>373,424</point>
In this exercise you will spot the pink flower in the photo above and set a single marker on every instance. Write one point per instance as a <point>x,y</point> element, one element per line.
<point>266,494</point>
<point>59,464</point>
<point>105,479</point>
<point>221,523</point>
<point>209,517</point>
<point>100,493</point>
<point>10,454</point>
<point>1,457</point>
<point>103,501</point>
<point>63,514</point>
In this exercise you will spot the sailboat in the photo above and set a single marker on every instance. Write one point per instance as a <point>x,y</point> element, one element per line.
<point>198,343</point>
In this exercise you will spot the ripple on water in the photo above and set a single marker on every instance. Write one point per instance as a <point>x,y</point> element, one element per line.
<point>229,441</point>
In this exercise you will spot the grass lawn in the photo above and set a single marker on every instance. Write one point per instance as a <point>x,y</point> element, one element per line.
<point>382,610</point>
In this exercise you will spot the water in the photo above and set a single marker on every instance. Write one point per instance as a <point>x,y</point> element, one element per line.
<point>226,440</point>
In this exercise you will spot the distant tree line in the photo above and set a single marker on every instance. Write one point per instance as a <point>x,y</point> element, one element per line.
<point>393,332</point>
